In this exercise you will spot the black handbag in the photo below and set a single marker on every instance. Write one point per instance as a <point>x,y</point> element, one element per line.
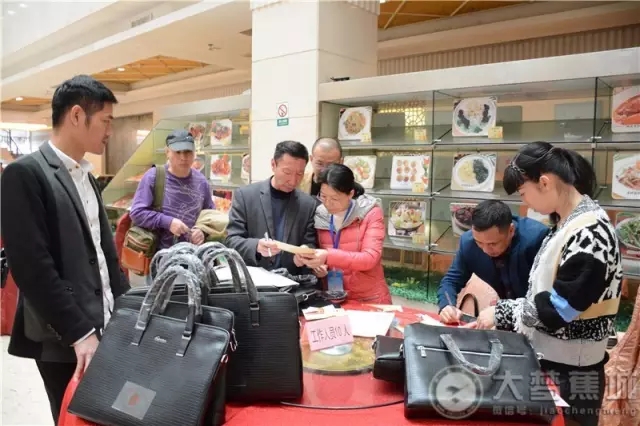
<point>267,365</point>
<point>219,317</point>
<point>389,362</point>
<point>151,369</point>
<point>460,373</point>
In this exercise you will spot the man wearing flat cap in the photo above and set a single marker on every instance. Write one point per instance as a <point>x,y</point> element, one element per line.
<point>186,194</point>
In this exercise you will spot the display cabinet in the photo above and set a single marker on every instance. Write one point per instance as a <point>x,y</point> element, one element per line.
<point>221,130</point>
<point>470,135</point>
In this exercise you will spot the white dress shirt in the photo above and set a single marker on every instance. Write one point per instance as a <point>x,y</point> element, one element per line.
<point>80,174</point>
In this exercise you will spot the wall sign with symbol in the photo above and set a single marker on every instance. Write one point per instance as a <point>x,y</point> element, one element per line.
<point>282,114</point>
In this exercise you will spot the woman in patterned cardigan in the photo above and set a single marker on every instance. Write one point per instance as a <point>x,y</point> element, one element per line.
<point>575,281</point>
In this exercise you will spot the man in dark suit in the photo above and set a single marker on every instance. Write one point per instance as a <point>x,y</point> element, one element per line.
<point>274,210</point>
<point>499,249</point>
<point>58,240</point>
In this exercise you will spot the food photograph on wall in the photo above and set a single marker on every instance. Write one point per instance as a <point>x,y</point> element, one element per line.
<point>363,168</point>
<point>474,116</point>
<point>474,172</point>
<point>406,218</point>
<point>221,132</point>
<point>354,123</point>
<point>625,115</point>
<point>409,169</point>
<point>625,184</point>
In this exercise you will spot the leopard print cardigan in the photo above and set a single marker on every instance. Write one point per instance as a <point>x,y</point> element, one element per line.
<point>574,290</point>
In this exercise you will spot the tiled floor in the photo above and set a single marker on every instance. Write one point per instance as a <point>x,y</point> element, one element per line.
<point>24,401</point>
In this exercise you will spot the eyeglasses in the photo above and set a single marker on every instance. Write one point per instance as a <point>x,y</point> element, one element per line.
<point>324,199</point>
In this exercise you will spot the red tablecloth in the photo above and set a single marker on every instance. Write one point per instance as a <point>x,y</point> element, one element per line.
<point>348,390</point>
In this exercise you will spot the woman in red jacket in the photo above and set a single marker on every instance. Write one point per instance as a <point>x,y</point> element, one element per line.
<point>351,233</point>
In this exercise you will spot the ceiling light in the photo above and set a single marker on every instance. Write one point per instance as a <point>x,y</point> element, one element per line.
<point>120,69</point>
<point>383,1</point>
<point>11,12</point>
<point>23,5</point>
<point>19,98</point>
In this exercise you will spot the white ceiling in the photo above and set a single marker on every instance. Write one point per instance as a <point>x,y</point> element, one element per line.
<point>185,29</point>
<point>184,33</point>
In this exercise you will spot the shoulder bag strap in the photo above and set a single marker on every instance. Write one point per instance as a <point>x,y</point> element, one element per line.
<point>158,187</point>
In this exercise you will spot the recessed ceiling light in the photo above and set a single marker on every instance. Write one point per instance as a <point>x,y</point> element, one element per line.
<point>11,12</point>
<point>19,98</point>
<point>23,5</point>
<point>120,68</point>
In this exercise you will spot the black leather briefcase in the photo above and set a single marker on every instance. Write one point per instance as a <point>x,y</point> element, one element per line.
<point>389,363</point>
<point>267,365</point>
<point>460,373</point>
<point>152,369</point>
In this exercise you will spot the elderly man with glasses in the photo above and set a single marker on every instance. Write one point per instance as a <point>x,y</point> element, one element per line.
<point>324,152</point>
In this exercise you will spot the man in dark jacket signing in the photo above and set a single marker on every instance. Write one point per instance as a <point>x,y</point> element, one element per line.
<point>499,249</point>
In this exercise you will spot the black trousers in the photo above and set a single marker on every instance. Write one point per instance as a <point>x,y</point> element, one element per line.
<point>582,388</point>
<point>56,376</point>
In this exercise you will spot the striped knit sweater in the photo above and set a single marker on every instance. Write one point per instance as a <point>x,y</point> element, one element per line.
<point>574,290</point>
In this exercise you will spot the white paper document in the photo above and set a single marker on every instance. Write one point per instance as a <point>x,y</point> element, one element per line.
<point>313,313</point>
<point>261,277</point>
<point>426,319</point>
<point>370,324</point>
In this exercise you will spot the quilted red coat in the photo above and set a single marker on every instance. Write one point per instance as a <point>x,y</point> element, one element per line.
<point>359,253</point>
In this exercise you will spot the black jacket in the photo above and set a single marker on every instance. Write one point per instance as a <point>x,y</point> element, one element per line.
<point>53,260</point>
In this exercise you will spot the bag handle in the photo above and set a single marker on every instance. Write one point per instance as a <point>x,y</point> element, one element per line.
<point>495,357</point>
<point>192,264</point>
<point>159,292</point>
<point>236,264</point>
<point>209,261</point>
<point>157,260</point>
<point>476,307</point>
<point>204,253</point>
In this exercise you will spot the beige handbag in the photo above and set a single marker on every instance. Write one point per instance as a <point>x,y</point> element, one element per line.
<point>476,296</point>
<point>213,223</point>
<point>619,405</point>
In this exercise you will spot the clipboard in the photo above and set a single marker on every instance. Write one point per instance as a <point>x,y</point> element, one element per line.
<point>294,249</point>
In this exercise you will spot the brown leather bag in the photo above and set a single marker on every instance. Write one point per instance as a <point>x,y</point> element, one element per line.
<point>475,296</point>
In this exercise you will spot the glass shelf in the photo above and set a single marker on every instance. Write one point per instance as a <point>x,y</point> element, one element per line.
<point>607,202</point>
<point>607,137</point>
<point>382,189</point>
<point>232,184</point>
<point>564,132</point>
<point>444,241</point>
<point>391,138</point>
<point>401,243</point>
<point>445,192</point>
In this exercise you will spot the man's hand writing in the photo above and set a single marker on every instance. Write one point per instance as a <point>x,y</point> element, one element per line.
<point>267,248</point>
<point>450,315</point>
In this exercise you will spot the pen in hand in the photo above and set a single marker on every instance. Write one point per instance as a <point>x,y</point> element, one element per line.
<point>266,236</point>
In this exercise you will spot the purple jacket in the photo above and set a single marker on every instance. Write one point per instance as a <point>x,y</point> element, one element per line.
<point>184,199</point>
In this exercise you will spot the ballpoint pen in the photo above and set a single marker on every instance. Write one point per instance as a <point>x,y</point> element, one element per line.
<point>266,236</point>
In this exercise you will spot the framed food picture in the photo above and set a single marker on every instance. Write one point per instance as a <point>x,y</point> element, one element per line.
<point>354,123</point>
<point>197,131</point>
<point>474,172</point>
<point>628,233</point>
<point>245,174</point>
<point>406,218</point>
<point>199,163</point>
<point>625,110</point>
<point>461,217</point>
<point>220,168</point>
<point>626,176</point>
<point>221,132</point>
<point>474,116</point>
<point>408,169</point>
<point>363,168</point>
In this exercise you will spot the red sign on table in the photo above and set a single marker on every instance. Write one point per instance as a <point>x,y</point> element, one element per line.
<point>329,332</point>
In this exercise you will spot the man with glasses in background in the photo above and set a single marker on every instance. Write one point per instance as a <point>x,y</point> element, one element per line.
<point>324,152</point>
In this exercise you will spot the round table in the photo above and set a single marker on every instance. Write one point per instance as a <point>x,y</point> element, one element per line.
<point>341,389</point>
